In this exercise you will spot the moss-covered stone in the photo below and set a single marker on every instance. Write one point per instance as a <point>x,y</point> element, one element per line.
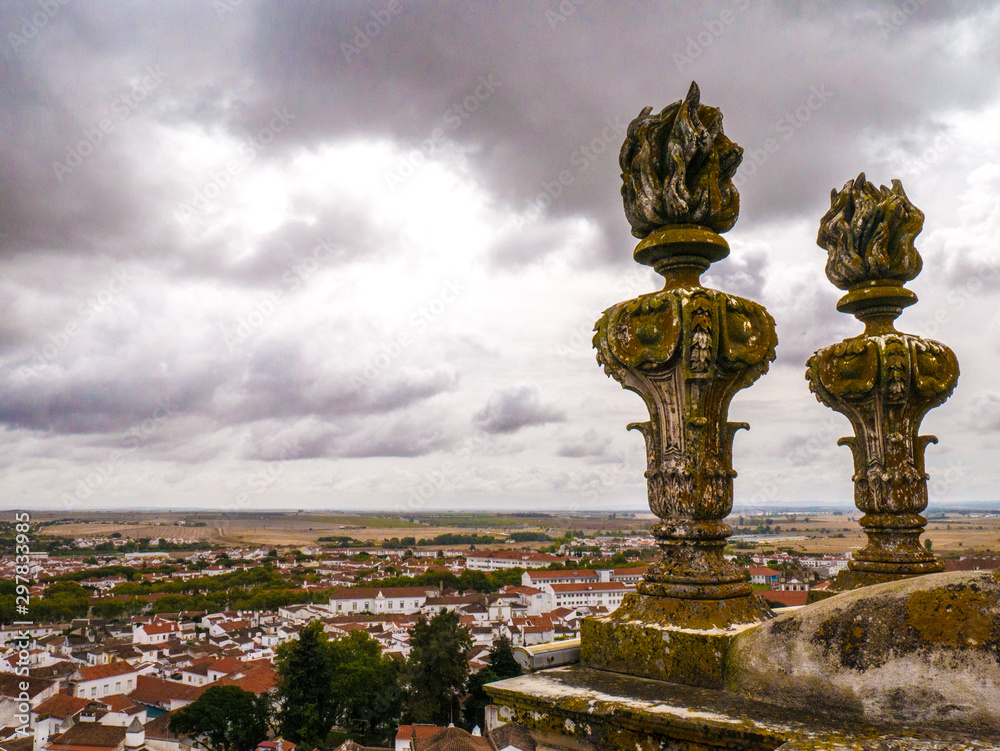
<point>668,638</point>
<point>580,709</point>
<point>923,650</point>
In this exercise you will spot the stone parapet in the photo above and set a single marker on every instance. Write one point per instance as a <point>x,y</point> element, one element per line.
<point>911,664</point>
<point>581,709</point>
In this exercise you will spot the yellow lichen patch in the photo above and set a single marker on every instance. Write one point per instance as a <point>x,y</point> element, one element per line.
<point>956,617</point>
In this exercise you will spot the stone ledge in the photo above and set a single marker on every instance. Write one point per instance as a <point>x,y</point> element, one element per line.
<point>579,708</point>
<point>924,650</point>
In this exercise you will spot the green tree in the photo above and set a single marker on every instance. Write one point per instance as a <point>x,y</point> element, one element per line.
<point>500,665</point>
<point>928,544</point>
<point>618,559</point>
<point>365,685</point>
<point>225,718</point>
<point>501,660</point>
<point>437,670</point>
<point>307,709</point>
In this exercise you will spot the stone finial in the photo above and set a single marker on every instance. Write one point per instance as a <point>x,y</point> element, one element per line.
<point>686,350</point>
<point>882,380</point>
<point>868,233</point>
<point>678,167</point>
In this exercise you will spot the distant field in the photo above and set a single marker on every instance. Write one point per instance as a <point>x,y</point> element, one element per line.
<point>954,535</point>
<point>831,533</point>
<point>296,529</point>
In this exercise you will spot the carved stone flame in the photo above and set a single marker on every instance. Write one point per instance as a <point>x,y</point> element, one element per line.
<point>677,168</point>
<point>868,233</point>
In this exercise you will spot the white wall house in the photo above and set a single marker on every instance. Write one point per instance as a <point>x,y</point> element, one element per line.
<point>589,594</point>
<point>98,681</point>
<point>155,632</point>
<point>502,559</point>
<point>385,600</point>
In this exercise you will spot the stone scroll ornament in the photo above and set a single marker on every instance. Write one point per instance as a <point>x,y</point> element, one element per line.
<point>686,350</point>
<point>882,380</point>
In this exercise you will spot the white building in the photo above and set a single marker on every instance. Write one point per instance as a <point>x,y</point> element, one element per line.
<point>403,600</point>
<point>98,681</point>
<point>155,632</point>
<point>590,594</point>
<point>502,559</point>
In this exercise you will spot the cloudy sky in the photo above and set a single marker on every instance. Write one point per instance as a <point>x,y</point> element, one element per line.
<point>349,255</point>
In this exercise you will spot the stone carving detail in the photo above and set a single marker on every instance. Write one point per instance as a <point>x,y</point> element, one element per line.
<point>677,168</point>
<point>868,233</point>
<point>882,380</point>
<point>686,350</point>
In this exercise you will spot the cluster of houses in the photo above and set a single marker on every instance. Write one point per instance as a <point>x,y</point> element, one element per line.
<point>96,686</point>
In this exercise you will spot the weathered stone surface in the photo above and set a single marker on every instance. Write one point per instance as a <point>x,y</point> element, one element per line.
<point>668,638</point>
<point>582,709</point>
<point>678,167</point>
<point>924,650</point>
<point>869,232</point>
<point>687,350</point>
<point>882,380</point>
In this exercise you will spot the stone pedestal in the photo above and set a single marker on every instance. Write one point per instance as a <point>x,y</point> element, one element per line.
<point>668,638</point>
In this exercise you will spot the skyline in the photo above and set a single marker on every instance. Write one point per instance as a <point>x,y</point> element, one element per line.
<point>261,256</point>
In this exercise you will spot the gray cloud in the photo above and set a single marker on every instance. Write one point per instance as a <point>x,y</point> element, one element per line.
<point>590,444</point>
<point>276,319</point>
<point>510,409</point>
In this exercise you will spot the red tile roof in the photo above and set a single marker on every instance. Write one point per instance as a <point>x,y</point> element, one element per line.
<point>405,732</point>
<point>371,593</point>
<point>786,599</point>
<point>88,735</point>
<point>158,692</point>
<point>61,706</point>
<point>256,680</point>
<point>159,628</point>
<point>590,587</point>
<point>10,685</point>
<point>120,703</point>
<point>107,670</point>
<point>227,665</point>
